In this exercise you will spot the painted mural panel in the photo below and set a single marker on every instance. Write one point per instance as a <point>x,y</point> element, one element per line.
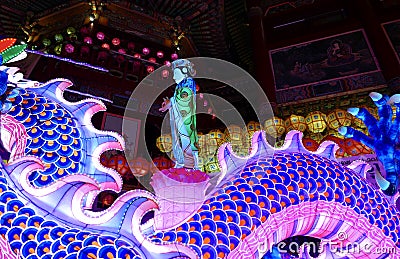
<point>392,30</point>
<point>321,63</point>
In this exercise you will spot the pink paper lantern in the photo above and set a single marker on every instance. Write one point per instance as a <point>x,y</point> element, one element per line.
<point>150,69</point>
<point>116,41</point>
<point>88,40</point>
<point>131,45</point>
<point>174,56</point>
<point>165,73</point>
<point>146,51</point>
<point>137,55</point>
<point>152,60</point>
<point>160,54</point>
<point>100,35</point>
<point>167,63</point>
<point>105,46</point>
<point>69,48</point>
<point>122,51</point>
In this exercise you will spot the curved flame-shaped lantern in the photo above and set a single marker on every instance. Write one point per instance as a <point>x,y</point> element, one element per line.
<point>295,122</point>
<point>338,118</point>
<point>164,143</point>
<point>316,121</point>
<point>275,127</point>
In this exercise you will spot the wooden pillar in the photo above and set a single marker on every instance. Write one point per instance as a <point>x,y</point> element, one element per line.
<point>263,69</point>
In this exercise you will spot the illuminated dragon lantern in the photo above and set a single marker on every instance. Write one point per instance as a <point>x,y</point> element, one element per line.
<point>53,175</point>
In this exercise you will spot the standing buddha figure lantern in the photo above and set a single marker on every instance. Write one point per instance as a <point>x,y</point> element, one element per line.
<point>316,122</point>
<point>338,118</point>
<point>295,122</point>
<point>274,127</point>
<point>164,143</point>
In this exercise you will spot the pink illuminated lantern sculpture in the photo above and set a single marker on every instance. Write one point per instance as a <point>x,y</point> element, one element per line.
<point>105,46</point>
<point>122,51</point>
<point>167,63</point>
<point>88,40</point>
<point>174,56</point>
<point>165,73</point>
<point>150,69</point>
<point>131,45</point>
<point>69,48</point>
<point>100,35</point>
<point>146,51</point>
<point>137,55</point>
<point>115,41</point>
<point>160,54</point>
<point>152,60</point>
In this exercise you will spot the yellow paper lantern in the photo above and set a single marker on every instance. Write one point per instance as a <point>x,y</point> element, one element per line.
<point>316,121</point>
<point>316,136</point>
<point>233,134</point>
<point>212,165</point>
<point>214,139</point>
<point>295,122</point>
<point>275,127</point>
<point>164,143</point>
<point>252,127</point>
<point>393,112</point>
<point>338,118</point>
<point>335,133</point>
<point>202,142</point>
<point>358,123</point>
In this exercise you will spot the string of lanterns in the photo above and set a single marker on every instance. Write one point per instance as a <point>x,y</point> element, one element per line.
<point>316,127</point>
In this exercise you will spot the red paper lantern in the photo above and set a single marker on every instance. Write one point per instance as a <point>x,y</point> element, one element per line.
<point>137,55</point>
<point>146,51</point>
<point>105,46</point>
<point>162,163</point>
<point>150,69</point>
<point>115,41</point>
<point>167,63</point>
<point>310,144</point>
<point>100,35</point>
<point>69,48</point>
<point>122,51</point>
<point>174,56</point>
<point>88,40</point>
<point>152,60</point>
<point>160,54</point>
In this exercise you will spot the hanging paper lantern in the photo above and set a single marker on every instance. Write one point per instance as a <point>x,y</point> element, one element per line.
<point>316,136</point>
<point>340,142</point>
<point>164,143</point>
<point>202,140</point>
<point>174,56</point>
<point>116,41</point>
<point>160,54</point>
<point>46,42</point>
<point>139,166</point>
<point>165,73</point>
<point>107,199</point>
<point>252,127</point>
<point>162,163</point>
<point>295,122</point>
<point>150,69</point>
<point>58,49</point>
<point>100,35</point>
<point>122,51</point>
<point>137,55</point>
<point>105,46</point>
<point>119,164</point>
<point>152,60</point>
<point>275,127</point>
<point>167,63</point>
<point>310,144</point>
<point>88,40</point>
<point>338,118</point>
<point>131,45</point>
<point>69,48</point>
<point>146,51</point>
<point>214,140</point>
<point>316,121</point>
<point>212,165</point>
<point>71,31</point>
<point>58,37</point>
